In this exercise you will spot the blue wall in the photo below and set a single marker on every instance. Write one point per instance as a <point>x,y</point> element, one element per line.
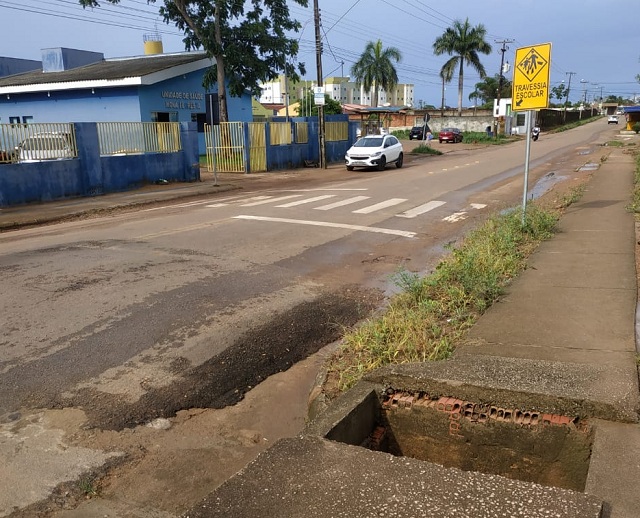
<point>91,175</point>
<point>294,155</point>
<point>105,105</point>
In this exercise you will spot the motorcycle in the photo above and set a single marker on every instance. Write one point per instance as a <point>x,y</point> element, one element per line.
<point>535,133</point>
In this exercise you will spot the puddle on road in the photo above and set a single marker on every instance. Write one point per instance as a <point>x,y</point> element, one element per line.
<point>544,185</point>
<point>589,166</point>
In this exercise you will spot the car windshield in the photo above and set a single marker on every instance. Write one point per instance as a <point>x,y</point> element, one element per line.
<point>447,130</point>
<point>369,142</point>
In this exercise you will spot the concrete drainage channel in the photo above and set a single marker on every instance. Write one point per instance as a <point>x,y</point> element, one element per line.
<point>548,449</point>
<point>378,450</point>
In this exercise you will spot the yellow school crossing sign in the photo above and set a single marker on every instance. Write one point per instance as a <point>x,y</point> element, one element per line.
<point>531,77</point>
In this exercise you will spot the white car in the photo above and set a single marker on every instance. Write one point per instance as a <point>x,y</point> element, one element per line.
<point>374,151</point>
<point>613,119</point>
<point>46,146</point>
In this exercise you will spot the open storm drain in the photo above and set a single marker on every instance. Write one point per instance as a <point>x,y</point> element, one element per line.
<point>549,449</point>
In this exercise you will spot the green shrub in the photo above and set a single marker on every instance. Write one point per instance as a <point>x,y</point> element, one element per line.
<point>429,316</point>
<point>636,127</point>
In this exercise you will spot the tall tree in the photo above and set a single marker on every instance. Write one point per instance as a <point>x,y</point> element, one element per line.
<point>463,43</point>
<point>246,39</point>
<point>308,108</point>
<point>446,74</point>
<point>375,69</point>
<point>487,88</point>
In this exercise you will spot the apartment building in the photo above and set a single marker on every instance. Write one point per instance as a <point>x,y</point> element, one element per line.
<point>340,89</point>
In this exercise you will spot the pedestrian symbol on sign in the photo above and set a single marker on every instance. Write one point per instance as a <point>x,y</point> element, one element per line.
<point>532,64</point>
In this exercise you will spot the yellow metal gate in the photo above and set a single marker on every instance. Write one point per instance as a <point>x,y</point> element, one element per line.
<point>225,147</point>
<point>257,146</point>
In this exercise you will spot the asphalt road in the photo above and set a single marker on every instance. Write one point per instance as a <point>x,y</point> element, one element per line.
<point>124,306</point>
<point>187,305</point>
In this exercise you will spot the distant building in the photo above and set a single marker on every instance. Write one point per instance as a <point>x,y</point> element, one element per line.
<point>341,89</point>
<point>80,86</point>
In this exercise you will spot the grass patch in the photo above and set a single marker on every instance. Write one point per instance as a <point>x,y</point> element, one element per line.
<point>430,315</point>
<point>635,201</point>
<point>426,149</point>
<point>88,487</point>
<point>481,137</point>
<point>573,196</point>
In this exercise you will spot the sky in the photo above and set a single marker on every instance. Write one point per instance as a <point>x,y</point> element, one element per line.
<point>594,44</point>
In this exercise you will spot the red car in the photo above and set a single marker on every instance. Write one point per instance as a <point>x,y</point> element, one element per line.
<point>450,135</point>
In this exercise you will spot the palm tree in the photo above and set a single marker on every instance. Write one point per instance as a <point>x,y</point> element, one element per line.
<point>376,69</point>
<point>446,74</point>
<point>462,42</point>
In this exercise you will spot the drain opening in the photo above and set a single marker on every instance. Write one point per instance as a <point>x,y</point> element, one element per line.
<point>548,449</point>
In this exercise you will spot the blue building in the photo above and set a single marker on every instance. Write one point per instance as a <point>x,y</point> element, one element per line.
<point>81,86</point>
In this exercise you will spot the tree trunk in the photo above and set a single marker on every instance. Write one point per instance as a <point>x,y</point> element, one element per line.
<point>460,86</point>
<point>222,90</point>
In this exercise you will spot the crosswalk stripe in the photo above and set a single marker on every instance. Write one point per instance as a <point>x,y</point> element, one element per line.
<point>302,202</point>
<point>382,205</point>
<point>361,228</point>
<point>271,200</point>
<point>421,209</point>
<point>342,203</point>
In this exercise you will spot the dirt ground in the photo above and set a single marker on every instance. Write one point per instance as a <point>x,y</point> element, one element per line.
<point>166,466</point>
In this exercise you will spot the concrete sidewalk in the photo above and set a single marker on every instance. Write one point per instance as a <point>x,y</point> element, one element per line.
<point>560,343</point>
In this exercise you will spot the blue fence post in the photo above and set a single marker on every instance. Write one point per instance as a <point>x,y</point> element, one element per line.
<point>269,147</point>
<point>89,156</point>
<point>190,150</point>
<point>246,147</point>
<point>313,144</point>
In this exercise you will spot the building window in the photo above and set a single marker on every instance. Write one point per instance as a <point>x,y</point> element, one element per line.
<point>26,119</point>
<point>164,116</point>
<point>14,120</point>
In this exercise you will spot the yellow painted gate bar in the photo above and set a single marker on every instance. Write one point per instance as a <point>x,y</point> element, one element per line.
<point>257,146</point>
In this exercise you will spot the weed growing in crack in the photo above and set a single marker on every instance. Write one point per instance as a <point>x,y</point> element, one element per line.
<point>432,313</point>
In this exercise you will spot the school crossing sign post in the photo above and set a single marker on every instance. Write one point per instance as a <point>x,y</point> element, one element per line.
<point>530,91</point>
<point>531,77</point>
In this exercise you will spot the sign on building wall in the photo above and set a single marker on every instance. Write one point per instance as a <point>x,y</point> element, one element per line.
<point>531,77</point>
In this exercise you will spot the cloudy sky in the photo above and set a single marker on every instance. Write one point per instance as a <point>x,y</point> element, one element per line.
<point>596,44</point>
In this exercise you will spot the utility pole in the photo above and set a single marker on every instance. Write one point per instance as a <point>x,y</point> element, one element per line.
<point>321,133</point>
<point>566,99</point>
<point>503,50</point>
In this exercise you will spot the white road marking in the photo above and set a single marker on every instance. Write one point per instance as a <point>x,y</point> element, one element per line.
<point>342,203</point>
<point>421,209</point>
<point>478,206</point>
<point>382,205</point>
<point>327,189</point>
<point>456,216</point>
<point>377,230</point>
<point>189,204</point>
<point>308,200</point>
<point>271,200</point>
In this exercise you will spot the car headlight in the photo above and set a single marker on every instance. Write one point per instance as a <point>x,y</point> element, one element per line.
<point>376,154</point>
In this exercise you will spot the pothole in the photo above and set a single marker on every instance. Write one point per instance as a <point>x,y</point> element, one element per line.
<point>523,444</point>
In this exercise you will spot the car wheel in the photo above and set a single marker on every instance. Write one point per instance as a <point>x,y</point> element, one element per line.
<point>399,161</point>
<point>349,168</point>
<point>382,164</point>
<point>440,140</point>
